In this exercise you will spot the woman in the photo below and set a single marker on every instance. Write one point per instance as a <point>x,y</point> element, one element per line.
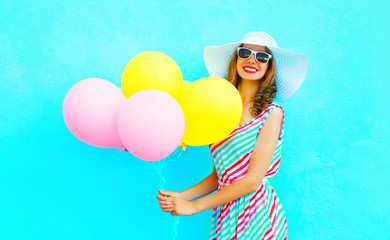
<point>245,205</point>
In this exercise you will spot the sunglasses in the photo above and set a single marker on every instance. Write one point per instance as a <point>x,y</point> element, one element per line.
<point>245,53</point>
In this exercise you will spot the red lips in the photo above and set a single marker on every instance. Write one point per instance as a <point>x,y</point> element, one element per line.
<point>250,69</point>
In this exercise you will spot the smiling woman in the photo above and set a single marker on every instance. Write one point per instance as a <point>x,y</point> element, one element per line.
<point>245,205</point>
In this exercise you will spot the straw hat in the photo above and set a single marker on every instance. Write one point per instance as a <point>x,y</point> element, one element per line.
<point>291,67</point>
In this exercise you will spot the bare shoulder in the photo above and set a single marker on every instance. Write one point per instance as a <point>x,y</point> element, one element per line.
<point>272,125</point>
<point>276,115</point>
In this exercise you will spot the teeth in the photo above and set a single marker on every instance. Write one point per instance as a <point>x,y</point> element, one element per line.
<point>250,69</point>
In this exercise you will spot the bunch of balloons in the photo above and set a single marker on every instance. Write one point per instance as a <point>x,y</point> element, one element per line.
<point>154,112</point>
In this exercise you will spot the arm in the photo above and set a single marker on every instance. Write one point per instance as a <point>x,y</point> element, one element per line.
<point>261,158</point>
<point>207,186</point>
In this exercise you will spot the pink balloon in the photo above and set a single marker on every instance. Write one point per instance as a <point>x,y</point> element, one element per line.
<point>90,111</point>
<point>151,124</point>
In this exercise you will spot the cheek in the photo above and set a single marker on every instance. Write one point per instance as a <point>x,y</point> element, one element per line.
<point>239,63</point>
<point>239,66</point>
<point>263,70</point>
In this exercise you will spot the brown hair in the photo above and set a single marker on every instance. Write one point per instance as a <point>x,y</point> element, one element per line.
<point>267,89</point>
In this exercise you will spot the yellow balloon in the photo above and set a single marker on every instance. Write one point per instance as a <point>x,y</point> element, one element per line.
<point>212,108</point>
<point>152,70</point>
<point>186,84</point>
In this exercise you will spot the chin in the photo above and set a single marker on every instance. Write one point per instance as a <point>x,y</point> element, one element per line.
<point>250,76</point>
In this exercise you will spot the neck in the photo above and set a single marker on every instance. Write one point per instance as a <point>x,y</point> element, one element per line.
<point>248,89</point>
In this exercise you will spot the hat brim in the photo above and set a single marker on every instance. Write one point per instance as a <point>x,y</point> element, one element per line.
<point>291,67</point>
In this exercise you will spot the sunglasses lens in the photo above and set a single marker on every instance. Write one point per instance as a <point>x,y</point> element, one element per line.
<point>262,57</point>
<point>244,53</point>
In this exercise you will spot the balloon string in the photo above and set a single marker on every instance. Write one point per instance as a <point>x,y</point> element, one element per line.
<point>176,220</point>
<point>158,167</point>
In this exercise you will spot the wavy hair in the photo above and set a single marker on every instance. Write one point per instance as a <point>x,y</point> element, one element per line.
<point>267,88</point>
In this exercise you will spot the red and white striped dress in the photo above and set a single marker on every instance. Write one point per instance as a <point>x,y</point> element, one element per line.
<point>259,214</point>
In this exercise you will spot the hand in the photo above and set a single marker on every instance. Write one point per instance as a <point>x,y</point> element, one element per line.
<point>174,203</point>
<point>182,206</point>
<point>165,202</point>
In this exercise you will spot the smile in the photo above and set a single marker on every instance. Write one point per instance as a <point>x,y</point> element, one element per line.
<point>250,69</point>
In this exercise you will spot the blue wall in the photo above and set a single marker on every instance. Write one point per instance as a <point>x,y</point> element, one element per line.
<point>335,167</point>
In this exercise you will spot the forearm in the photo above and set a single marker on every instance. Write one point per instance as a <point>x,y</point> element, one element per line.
<point>207,186</point>
<point>225,195</point>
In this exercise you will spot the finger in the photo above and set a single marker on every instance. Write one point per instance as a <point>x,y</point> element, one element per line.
<point>164,193</point>
<point>160,197</point>
<point>161,192</point>
<point>167,193</point>
<point>165,203</point>
<point>167,209</point>
<point>166,206</point>
<point>169,199</point>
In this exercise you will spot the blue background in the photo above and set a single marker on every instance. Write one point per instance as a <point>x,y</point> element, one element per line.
<point>335,168</point>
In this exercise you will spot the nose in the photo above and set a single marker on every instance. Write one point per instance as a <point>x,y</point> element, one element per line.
<point>252,57</point>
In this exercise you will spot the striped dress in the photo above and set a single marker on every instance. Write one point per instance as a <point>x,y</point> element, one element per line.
<point>259,214</point>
